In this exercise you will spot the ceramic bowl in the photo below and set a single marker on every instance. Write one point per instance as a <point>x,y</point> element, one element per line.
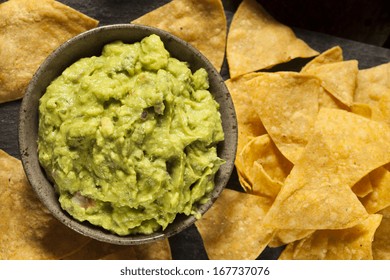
<point>88,44</point>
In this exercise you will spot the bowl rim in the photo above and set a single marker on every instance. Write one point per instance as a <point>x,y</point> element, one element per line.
<point>28,117</point>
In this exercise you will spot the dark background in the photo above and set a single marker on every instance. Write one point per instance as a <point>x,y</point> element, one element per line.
<point>366,21</point>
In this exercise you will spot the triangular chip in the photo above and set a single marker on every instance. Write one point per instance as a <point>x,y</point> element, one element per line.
<point>201,23</point>
<point>334,54</point>
<point>344,244</point>
<point>285,236</point>
<point>363,187</point>
<point>362,110</point>
<point>338,78</point>
<point>158,250</point>
<point>262,184</point>
<point>373,88</point>
<point>257,41</point>
<point>126,253</point>
<point>232,229</point>
<point>287,103</point>
<point>327,100</point>
<point>38,26</point>
<point>94,250</point>
<point>381,242</point>
<point>344,148</point>
<point>264,166</point>
<point>379,198</point>
<point>249,124</point>
<point>28,230</point>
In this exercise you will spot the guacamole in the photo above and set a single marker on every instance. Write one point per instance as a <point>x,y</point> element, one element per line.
<point>129,137</point>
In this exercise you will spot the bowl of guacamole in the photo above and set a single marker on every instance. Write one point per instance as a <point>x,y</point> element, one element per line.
<point>127,134</point>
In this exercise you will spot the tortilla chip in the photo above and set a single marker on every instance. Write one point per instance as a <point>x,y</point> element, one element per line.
<point>262,183</point>
<point>334,54</point>
<point>257,41</point>
<point>287,103</point>
<point>28,230</point>
<point>373,88</point>
<point>264,166</point>
<point>363,187</point>
<point>126,253</point>
<point>232,229</point>
<point>243,180</point>
<point>159,250</point>
<point>94,250</point>
<point>201,23</point>
<point>262,150</point>
<point>379,198</point>
<point>381,243</point>
<point>327,100</point>
<point>285,236</point>
<point>338,78</point>
<point>362,110</point>
<point>249,124</point>
<point>27,25</point>
<point>344,148</point>
<point>344,244</point>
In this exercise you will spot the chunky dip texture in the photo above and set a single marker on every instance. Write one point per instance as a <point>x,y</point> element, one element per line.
<point>129,137</point>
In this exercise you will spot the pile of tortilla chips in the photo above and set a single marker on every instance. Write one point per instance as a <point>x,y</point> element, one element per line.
<point>313,151</point>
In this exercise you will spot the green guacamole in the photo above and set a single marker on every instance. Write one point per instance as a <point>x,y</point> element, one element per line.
<point>129,138</point>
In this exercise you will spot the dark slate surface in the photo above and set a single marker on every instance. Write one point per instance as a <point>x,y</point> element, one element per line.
<point>188,244</point>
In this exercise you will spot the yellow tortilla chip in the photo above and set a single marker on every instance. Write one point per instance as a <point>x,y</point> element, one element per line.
<point>232,229</point>
<point>373,88</point>
<point>257,41</point>
<point>381,242</point>
<point>264,166</point>
<point>201,23</point>
<point>94,250</point>
<point>362,110</point>
<point>38,26</point>
<point>287,103</point>
<point>243,180</point>
<point>262,184</point>
<point>379,198</point>
<point>363,187</point>
<point>285,236</point>
<point>126,253</point>
<point>249,124</point>
<point>344,148</point>
<point>159,250</point>
<point>327,100</point>
<point>28,230</point>
<point>338,78</point>
<point>334,54</point>
<point>344,244</point>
